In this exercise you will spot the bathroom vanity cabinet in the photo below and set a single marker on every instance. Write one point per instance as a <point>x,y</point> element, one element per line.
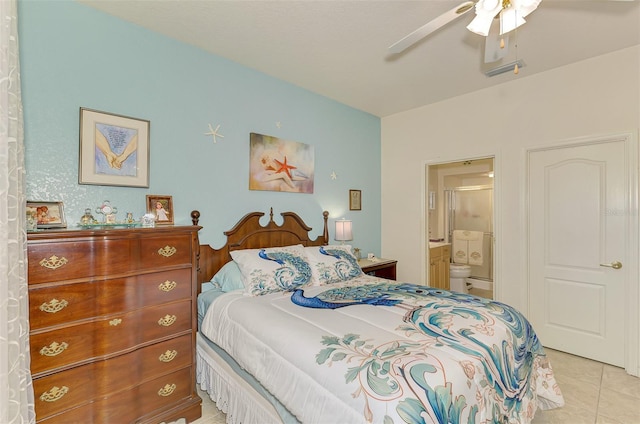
<point>439,258</point>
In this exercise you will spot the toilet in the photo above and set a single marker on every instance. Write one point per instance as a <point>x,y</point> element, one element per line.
<point>458,274</point>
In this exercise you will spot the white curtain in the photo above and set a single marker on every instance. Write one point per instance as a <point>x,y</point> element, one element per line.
<point>16,390</point>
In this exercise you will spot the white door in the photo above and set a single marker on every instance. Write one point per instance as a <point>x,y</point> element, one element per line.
<point>579,233</point>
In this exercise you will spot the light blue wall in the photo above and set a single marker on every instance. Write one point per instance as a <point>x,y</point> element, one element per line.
<point>73,56</point>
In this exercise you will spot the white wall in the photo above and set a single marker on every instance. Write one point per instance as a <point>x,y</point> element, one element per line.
<point>596,96</point>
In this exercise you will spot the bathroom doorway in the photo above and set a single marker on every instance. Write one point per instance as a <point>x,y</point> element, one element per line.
<point>460,214</point>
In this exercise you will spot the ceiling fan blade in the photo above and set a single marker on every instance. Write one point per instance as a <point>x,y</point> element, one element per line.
<point>432,26</point>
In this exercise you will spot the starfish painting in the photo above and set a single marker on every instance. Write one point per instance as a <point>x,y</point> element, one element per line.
<point>283,167</point>
<point>214,133</point>
<point>280,165</point>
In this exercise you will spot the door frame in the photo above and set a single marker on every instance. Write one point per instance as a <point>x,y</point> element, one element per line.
<point>632,285</point>
<point>497,208</point>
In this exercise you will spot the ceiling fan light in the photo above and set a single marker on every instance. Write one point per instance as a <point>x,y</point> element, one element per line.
<point>510,19</point>
<point>489,5</point>
<point>486,10</point>
<point>525,7</point>
<point>480,25</point>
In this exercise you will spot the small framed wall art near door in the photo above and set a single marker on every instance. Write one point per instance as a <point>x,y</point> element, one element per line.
<point>355,200</point>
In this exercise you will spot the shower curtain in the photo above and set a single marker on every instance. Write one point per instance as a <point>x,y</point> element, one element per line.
<point>471,209</point>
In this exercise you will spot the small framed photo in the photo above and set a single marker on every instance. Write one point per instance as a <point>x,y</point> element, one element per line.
<point>46,214</point>
<point>355,200</point>
<point>114,149</point>
<point>161,207</point>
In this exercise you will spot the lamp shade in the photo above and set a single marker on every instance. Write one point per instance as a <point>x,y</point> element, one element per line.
<point>526,6</point>
<point>512,13</point>
<point>486,10</point>
<point>343,230</point>
<point>510,19</point>
<point>481,24</point>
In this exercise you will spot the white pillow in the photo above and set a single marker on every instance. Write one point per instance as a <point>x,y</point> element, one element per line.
<point>332,264</point>
<point>273,269</point>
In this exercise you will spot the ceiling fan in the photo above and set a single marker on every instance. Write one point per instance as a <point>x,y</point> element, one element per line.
<point>511,14</point>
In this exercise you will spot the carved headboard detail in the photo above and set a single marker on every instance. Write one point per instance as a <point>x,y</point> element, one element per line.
<point>249,234</point>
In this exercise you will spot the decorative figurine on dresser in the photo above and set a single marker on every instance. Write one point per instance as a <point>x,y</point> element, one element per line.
<point>113,324</point>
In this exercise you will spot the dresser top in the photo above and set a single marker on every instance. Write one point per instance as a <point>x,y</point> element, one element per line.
<point>109,232</point>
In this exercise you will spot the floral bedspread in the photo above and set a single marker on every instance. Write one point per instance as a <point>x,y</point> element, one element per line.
<point>429,356</point>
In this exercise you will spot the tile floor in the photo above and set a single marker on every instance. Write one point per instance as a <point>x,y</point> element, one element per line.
<point>594,393</point>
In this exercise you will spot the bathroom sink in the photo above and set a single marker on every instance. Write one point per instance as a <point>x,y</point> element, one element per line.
<point>434,244</point>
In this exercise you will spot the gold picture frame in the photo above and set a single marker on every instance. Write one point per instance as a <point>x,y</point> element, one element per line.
<point>46,214</point>
<point>355,200</point>
<point>161,207</point>
<point>114,149</point>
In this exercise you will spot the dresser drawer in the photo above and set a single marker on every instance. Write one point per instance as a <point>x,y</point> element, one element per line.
<point>82,384</point>
<point>74,259</point>
<point>75,344</point>
<point>165,391</point>
<point>165,251</point>
<point>65,303</point>
<point>127,406</point>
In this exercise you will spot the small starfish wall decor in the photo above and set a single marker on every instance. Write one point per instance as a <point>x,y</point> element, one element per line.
<point>214,133</point>
<point>334,176</point>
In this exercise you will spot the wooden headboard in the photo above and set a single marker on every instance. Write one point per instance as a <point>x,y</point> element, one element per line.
<point>249,234</point>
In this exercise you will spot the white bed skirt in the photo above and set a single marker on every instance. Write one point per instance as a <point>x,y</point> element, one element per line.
<point>232,395</point>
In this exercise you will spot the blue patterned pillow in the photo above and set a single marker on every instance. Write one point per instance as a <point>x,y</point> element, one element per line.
<point>332,264</point>
<point>273,269</point>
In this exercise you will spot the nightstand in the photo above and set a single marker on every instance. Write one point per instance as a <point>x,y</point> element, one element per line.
<point>383,268</point>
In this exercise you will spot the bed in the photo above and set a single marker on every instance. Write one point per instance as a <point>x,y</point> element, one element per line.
<point>291,330</point>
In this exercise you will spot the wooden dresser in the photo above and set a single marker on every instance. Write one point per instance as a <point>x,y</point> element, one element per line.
<point>113,323</point>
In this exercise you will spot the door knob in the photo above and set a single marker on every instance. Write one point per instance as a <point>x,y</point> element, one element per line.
<point>614,265</point>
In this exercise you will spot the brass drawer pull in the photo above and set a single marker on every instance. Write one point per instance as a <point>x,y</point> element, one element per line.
<point>167,251</point>
<point>167,390</point>
<point>167,320</point>
<point>54,349</point>
<point>167,286</point>
<point>54,394</point>
<point>168,356</point>
<point>115,322</point>
<point>54,305</point>
<point>53,262</point>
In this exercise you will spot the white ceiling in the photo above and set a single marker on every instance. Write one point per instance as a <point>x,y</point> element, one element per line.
<point>338,48</point>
